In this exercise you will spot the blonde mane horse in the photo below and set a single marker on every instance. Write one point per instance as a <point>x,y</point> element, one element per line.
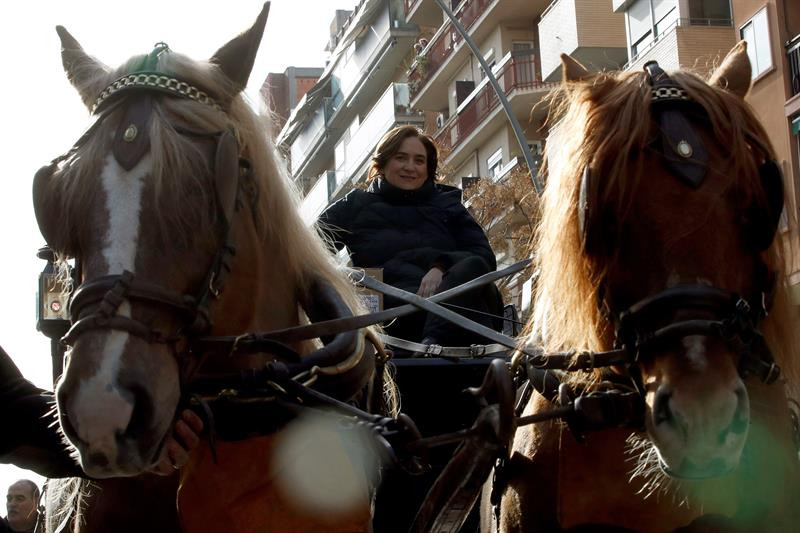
<point>142,193</point>
<point>715,450</point>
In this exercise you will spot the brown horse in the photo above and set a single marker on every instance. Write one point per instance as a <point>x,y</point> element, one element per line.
<point>661,204</point>
<point>176,206</point>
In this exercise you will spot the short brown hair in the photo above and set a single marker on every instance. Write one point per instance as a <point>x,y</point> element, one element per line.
<point>390,143</point>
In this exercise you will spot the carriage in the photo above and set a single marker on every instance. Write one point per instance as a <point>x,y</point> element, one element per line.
<point>683,354</point>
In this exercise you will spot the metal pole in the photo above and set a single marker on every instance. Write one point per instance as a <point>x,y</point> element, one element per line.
<point>523,144</point>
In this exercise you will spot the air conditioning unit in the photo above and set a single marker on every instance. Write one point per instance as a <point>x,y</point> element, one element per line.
<point>439,121</point>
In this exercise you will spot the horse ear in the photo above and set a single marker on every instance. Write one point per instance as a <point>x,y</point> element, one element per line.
<point>81,68</point>
<point>572,70</point>
<point>735,72</point>
<point>236,58</point>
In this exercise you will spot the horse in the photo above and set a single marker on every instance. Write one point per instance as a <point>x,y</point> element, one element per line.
<point>178,212</point>
<point>658,232</point>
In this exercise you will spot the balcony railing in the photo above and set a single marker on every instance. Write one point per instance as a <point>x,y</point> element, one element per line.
<point>517,73</point>
<point>443,44</point>
<point>409,5</point>
<point>793,56</point>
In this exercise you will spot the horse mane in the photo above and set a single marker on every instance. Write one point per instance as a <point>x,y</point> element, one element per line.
<point>604,120</point>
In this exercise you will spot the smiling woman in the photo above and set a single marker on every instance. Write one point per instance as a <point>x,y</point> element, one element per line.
<point>419,233</point>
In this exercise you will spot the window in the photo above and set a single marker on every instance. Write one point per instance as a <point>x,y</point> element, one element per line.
<point>640,25</point>
<point>494,164</point>
<point>489,58</point>
<point>522,53</point>
<point>665,15</point>
<point>756,33</point>
<point>648,20</point>
<point>469,181</point>
<point>710,12</point>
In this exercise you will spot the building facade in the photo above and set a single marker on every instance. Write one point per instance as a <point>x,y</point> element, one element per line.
<point>521,41</point>
<point>283,91</point>
<point>360,95</point>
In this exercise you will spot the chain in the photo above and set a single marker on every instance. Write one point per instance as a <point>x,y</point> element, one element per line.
<point>151,80</point>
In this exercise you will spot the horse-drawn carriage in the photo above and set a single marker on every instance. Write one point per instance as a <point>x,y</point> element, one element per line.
<point>661,318</point>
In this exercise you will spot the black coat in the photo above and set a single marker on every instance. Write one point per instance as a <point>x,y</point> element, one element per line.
<point>405,232</point>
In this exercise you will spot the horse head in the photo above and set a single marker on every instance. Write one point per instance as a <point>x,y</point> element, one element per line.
<point>145,202</point>
<point>671,201</point>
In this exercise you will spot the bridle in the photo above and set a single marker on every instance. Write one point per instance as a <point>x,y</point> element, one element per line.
<point>703,309</point>
<point>95,303</point>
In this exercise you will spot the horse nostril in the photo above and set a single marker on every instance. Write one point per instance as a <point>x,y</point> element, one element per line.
<point>741,417</point>
<point>661,409</point>
<point>142,413</point>
<point>98,459</point>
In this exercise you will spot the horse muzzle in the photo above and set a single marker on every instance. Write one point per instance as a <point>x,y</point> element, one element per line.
<point>117,415</point>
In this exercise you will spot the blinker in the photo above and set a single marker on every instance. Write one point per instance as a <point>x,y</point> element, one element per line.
<point>677,132</point>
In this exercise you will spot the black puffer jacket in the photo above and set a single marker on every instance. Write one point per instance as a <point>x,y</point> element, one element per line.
<point>405,232</point>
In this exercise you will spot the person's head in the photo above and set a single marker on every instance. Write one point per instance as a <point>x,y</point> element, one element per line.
<point>21,504</point>
<point>406,158</point>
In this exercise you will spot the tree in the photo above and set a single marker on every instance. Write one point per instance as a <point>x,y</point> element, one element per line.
<point>508,211</point>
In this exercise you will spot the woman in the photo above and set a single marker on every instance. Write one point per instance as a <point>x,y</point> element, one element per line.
<point>419,233</point>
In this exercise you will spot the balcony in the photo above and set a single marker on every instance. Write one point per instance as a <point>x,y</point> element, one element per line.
<point>354,79</point>
<point>688,43</point>
<point>423,12</point>
<point>318,197</point>
<point>353,153</point>
<point>317,128</point>
<point>481,113</point>
<point>588,30</point>
<point>446,51</point>
<point>793,58</point>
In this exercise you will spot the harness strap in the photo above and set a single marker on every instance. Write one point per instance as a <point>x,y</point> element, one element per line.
<point>251,342</point>
<point>435,350</point>
<point>438,310</point>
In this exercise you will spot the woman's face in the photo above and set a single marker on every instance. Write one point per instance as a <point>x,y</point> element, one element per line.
<point>408,168</point>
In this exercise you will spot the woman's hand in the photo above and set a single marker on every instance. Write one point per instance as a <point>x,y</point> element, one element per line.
<point>430,282</point>
<point>187,430</point>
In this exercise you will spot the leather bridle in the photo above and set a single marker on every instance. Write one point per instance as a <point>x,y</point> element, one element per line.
<point>344,363</point>
<point>94,303</point>
<point>689,309</point>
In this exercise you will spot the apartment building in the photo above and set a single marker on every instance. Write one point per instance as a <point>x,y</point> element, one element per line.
<point>521,41</point>
<point>283,91</point>
<point>698,33</point>
<point>359,96</point>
